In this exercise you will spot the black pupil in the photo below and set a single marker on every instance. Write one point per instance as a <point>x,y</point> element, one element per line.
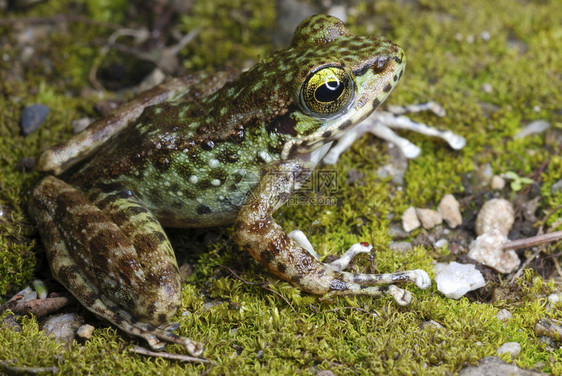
<point>329,91</point>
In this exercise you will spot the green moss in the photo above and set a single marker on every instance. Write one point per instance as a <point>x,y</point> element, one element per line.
<point>250,321</point>
<point>229,31</point>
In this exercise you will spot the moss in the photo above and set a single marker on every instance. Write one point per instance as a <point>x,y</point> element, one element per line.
<point>252,322</point>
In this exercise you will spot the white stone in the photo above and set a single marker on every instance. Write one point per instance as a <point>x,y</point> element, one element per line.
<point>487,249</point>
<point>504,315</point>
<point>429,218</point>
<point>496,214</point>
<point>449,208</point>
<point>85,331</point>
<point>454,279</point>
<point>410,219</point>
<point>512,348</point>
<point>497,182</point>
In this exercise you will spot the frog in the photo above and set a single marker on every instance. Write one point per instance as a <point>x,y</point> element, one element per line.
<point>209,150</point>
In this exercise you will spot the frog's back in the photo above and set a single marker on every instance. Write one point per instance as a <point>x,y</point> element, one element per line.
<point>194,162</point>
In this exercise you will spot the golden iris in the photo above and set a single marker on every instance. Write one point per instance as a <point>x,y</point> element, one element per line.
<point>327,90</point>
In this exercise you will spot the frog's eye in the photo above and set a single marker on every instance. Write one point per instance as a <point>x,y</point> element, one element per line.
<point>327,90</point>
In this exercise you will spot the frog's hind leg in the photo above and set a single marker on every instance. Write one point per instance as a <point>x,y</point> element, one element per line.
<point>96,256</point>
<point>295,261</point>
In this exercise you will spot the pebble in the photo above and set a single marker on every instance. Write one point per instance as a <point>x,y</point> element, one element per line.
<point>556,187</point>
<point>62,327</point>
<point>410,219</point>
<point>454,279</point>
<point>487,249</point>
<point>512,348</point>
<point>79,125</point>
<point>85,331</point>
<point>449,208</point>
<point>492,365</point>
<point>504,315</point>
<point>32,117</point>
<point>402,247</point>
<point>497,183</point>
<point>441,243</point>
<point>496,214</point>
<point>547,327</point>
<point>429,218</point>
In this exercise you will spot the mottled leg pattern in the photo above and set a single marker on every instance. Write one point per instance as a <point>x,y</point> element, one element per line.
<point>381,122</point>
<point>296,261</point>
<point>100,252</point>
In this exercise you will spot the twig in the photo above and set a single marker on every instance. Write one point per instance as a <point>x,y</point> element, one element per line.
<point>165,355</point>
<point>12,370</point>
<point>37,307</point>
<point>533,240</point>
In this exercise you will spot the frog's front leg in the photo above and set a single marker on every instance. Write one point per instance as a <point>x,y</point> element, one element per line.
<point>111,253</point>
<point>266,241</point>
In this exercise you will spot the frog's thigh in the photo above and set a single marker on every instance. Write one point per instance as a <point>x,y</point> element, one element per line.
<point>99,260</point>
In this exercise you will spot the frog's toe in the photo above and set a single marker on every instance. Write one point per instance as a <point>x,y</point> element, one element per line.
<point>157,338</point>
<point>343,262</point>
<point>421,278</point>
<point>300,238</point>
<point>401,296</point>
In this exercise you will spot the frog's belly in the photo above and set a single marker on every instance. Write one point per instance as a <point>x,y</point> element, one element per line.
<point>196,205</point>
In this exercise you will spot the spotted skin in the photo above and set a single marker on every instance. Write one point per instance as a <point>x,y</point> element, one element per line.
<point>205,151</point>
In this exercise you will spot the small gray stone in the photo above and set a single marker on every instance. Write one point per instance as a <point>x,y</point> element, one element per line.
<point>496,214</point>
<point>410,219</point>
<point>85,331</point>
<point>504,315</point>
<point>492,365</point>
<point>449,208</point>
<point>429,218</point>
<point>488,249</point>
<point>512,348</point>
<point>79,125</point>
<point>62,327</point>
<point>32,117</point>
<point>556,186</point>
<point>497,183</point>
<point>402,247</point>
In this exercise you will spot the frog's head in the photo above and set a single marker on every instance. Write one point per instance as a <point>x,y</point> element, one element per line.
<point>339,79</point>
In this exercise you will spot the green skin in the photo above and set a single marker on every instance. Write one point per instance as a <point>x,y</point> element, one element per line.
<point>205,151</point>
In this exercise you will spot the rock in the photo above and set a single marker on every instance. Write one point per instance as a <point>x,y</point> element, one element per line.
<point>535,127</point>
<point>449,210</point>
<point>85,331</point>
<point>454,280</point>
<point>62,327</point>
<point>410,219</point>
<point>497,183</point>
<point>547,327</point>
<point>555,298</point>
<point>32,117</point>
<point>441,243</point>
<point>512,348</point>
<point>492,365</point>
<point>79,125</point>
<point>429,218</point>
<point>504,315</point>
<point>496,214</point>
<point>556,186</point>
<point>402,247</point>
<point>488,249</point>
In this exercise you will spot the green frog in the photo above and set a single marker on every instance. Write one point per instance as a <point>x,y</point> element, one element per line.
<point>209,150</point>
